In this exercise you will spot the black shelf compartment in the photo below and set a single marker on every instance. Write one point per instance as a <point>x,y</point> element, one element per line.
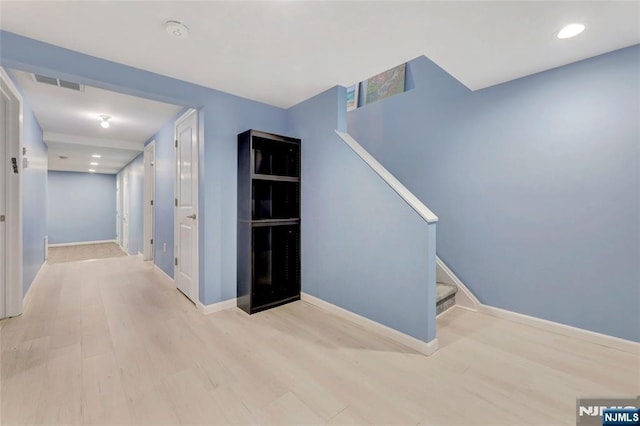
<point>275,199</point>
<point>275,156</point>
<point>268,244</point>
<point>276,266</point>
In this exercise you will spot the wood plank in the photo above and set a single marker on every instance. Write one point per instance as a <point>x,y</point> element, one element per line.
<point>108,341</point>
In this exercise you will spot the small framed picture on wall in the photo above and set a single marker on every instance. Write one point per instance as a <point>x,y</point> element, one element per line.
<point>352,97</point>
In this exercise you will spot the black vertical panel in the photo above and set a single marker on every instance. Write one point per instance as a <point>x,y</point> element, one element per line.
<point>244,260</point>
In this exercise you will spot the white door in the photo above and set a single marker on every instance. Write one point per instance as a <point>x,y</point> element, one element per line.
<point>186,192</point>
<point>3,200</point>
<point>119,210</point>
<point>149,185</point>
<point>125,211</point>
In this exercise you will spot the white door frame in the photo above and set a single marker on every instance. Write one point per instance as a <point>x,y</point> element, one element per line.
<point>12,267</point>
<point>149,196</point>
<point>119,209</point>
<point>195,203</point>
<point>125,211</point>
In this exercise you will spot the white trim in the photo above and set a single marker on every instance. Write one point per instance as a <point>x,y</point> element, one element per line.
<point>13,224</point>
<point>125,210</point>
<point>163,274</point>
<point>119,209</point>
<point>454,307</point>
<point>562,329</point>
<point>391,180</point>
<point>426,348</point>
<point>82,243</point>
<point>195,279</point>
<point>464,297</point>
<point>466,300</point>
<point>217,307</point>
<point>35,281</point>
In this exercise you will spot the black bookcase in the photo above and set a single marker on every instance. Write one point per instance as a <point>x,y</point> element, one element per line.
<point>268,220</point>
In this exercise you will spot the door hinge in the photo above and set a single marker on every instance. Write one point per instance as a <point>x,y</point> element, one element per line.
<point>176,143</point>
<point>176,261</point>
<point>176,202</point>
<point>152,241</point>
<point>2,218</point>
<point>151,202</point>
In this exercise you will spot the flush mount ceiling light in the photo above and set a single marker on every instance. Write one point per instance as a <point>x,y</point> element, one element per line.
<point>93,163</point>
<point>105,121</point>
<point>96,156</point>
<point>92,170</point>
<point>570,30</point>
<point>176,28</point>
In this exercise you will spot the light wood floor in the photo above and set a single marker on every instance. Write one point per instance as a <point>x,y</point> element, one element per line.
<point>111,342</point>
<point>83,252</point>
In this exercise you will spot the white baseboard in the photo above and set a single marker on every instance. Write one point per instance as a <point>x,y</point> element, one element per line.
<point>426,348</point>
<point>464,297</point>
<point>35,281</point>
<point>217,307</point>
<point>82,243</point>
<point>466,300</point>
<point>453,308</point>
<point>205,309</point>
<point>163,274</point>
<point>564,330</point>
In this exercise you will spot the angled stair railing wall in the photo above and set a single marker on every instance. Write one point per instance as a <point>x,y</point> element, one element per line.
<point>447,285</point>
<point>423,248</point>
<point>368,245</point>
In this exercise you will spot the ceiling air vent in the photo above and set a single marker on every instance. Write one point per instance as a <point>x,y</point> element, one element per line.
<point>57,82</point>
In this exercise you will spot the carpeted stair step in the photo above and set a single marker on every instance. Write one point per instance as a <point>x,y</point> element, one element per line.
<point>445,296</point>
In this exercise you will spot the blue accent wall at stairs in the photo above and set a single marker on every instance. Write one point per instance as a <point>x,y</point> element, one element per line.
<point>363,247</point>
<point>535,181</point>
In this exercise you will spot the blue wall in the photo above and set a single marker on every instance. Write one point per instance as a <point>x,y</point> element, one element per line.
<point>34,195</point>
<point>81,207</point>
<point>363,247</point>
<point>223,116</point>
<point>135,174</point>
<point>535,182</point>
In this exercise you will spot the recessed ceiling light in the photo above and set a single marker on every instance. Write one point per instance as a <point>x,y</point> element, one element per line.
<point>176,28</point>
<point>105,121</point>
<point>96,156</point>
<point>571,30</point>
<point>93,163</point>
<point>92,170</point>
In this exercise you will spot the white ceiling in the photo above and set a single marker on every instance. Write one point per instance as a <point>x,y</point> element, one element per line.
<point>284,52</point>
<point>71,124</point>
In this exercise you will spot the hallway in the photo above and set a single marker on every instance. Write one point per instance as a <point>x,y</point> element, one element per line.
<point>111,341</point>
